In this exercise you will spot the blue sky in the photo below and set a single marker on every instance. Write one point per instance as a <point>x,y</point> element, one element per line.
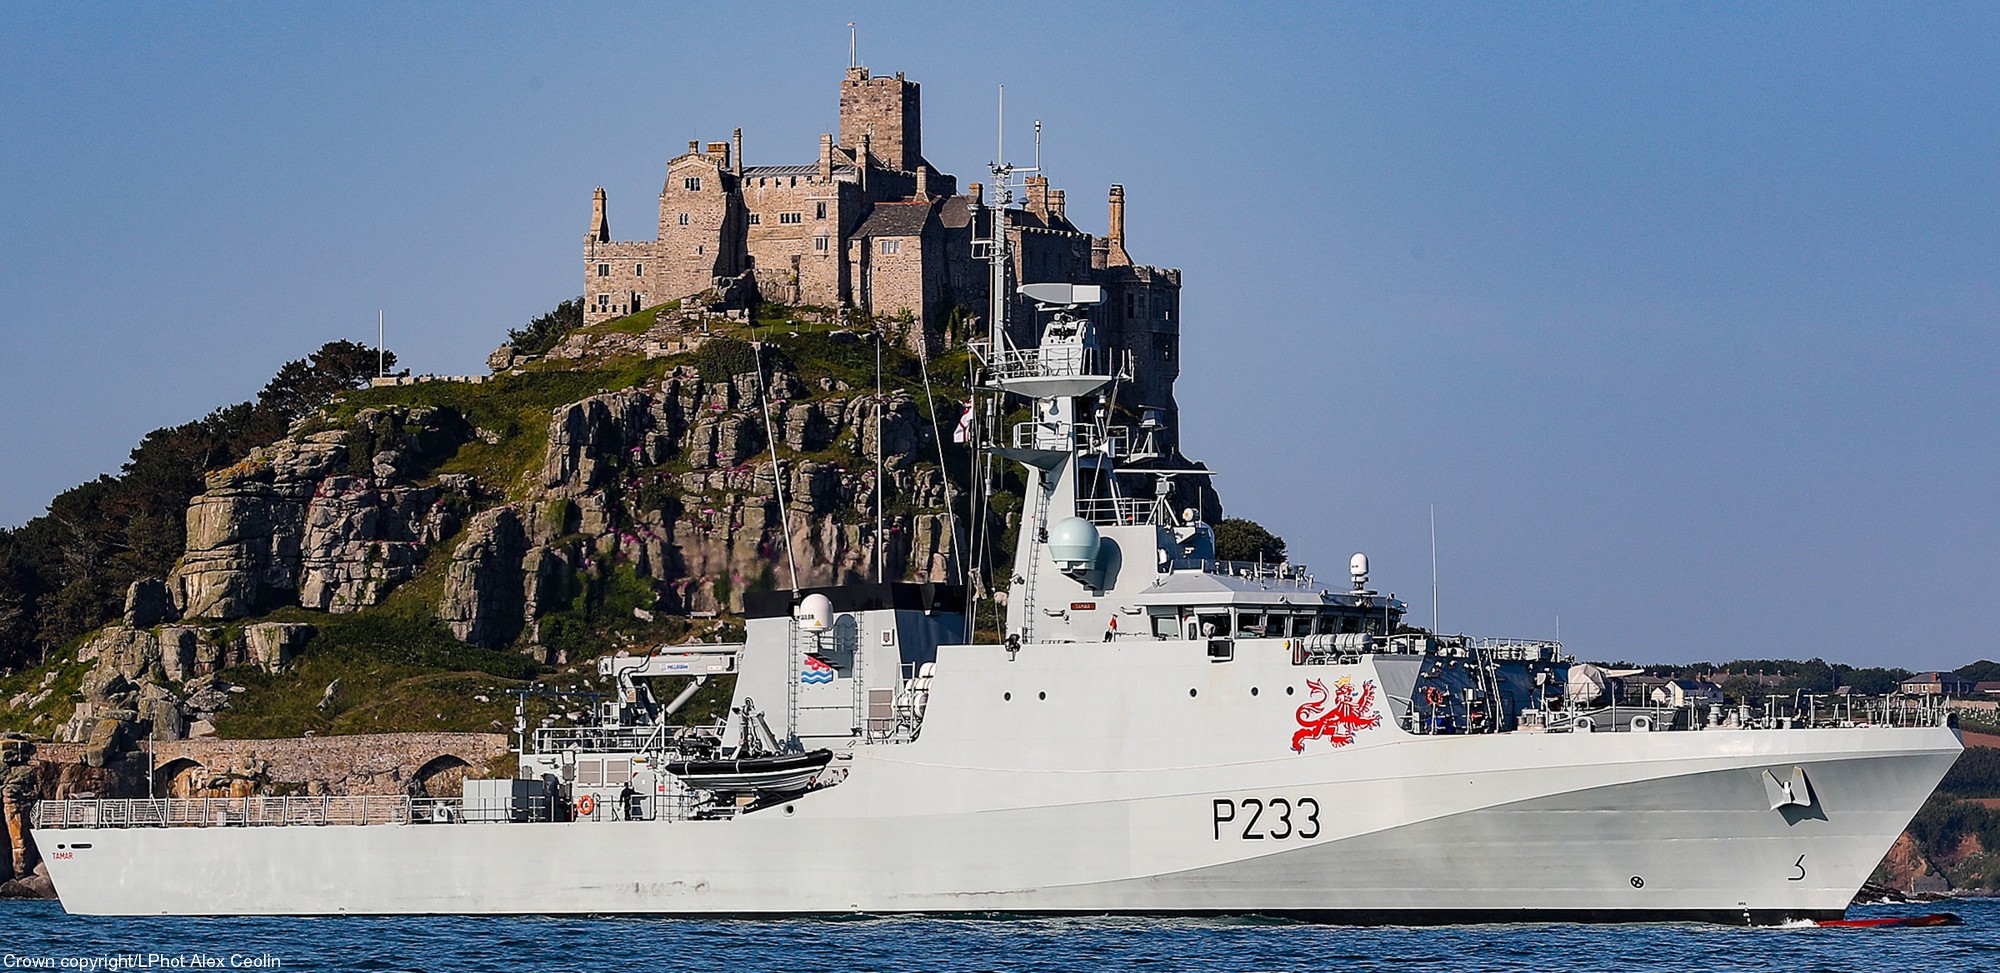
<point>1685,317</point>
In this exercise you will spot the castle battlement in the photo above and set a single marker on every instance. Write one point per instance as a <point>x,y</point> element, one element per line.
<point>871,226</point>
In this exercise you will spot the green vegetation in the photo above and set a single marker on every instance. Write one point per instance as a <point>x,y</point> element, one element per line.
<point>1237,539</point>
<point>513,408</point>
<point>546,331</point>
<point>65,573</point>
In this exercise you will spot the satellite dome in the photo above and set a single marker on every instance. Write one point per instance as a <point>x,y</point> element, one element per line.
<point>1073,545</point>
<point>815,613</point>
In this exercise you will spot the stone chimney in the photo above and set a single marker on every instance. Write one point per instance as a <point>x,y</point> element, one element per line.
<point>1056,203</point>
<point>923,182</point>
<point>600,228</point>
<point>738,139</point>
<point>826,158</point>
<point>1038,195</point>
<point>863,161</point>
<point>977,192</point>
<point>694,146</point>
<point>1116,255</point>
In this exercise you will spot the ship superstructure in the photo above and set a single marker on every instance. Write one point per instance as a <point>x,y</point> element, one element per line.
<point>1156,732</point>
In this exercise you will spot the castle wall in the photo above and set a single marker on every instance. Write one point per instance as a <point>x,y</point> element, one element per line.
<point>700,224</point>
<point>897,276</point>
<point>798,263</point>
<point>620,277</point>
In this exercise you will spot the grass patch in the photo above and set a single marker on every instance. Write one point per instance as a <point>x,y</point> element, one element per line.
<point>638,323</point>
<point>515,408</point>
<point>55,709</point>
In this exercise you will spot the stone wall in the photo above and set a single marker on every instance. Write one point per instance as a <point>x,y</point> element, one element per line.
<point>614,271</point>
<point>373,763</point>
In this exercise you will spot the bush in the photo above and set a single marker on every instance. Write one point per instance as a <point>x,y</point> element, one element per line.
<point>544,332</point>
<point>1237,539</point>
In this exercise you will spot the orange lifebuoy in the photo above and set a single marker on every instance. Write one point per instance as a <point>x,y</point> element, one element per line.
<point>1433,695</point>
<point>586,804</point>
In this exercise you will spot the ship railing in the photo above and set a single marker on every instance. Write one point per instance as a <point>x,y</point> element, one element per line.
<point>211,812</point>
<point>1115,443</point>
<point>1118,511</point>
<point>1280,572</point>
<point>1791,712</point>
<point>1051,362</point>
<point>608,739</point>
<point>1516,650</point>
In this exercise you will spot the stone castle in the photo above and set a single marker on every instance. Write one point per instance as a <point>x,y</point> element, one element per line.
<point>871,226</point>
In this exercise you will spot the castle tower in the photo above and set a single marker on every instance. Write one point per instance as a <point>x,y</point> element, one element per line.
<point>600,228</point>
<point>1115,255</point>
<point>889,109</point>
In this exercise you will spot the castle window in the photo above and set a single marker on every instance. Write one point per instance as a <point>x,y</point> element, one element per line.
<point>892,246</point>
<point>603,270</point>
<point>756,220</point>
<point>1131,304</point>
<point>819,211</point>
<point>638,270</point>
<point>603,301</point>
<point>693,184</point>
<point>684,219</point>
<point>791,217</point>
<point>820,244</point>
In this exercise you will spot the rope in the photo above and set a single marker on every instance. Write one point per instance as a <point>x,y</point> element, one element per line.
<point>937,435</point>
<point>771,439</point>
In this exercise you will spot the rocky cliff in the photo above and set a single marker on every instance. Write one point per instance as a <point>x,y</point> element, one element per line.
<point>621,484</point>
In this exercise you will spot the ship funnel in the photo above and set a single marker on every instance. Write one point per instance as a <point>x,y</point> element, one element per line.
<point>1073,544</point>
<point>1358,568</point>
<point>815,613</point>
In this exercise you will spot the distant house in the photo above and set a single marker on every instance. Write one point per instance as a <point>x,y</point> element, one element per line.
<point>1687,692</point>
<point>1989,688</point>
<point>1936,684</point>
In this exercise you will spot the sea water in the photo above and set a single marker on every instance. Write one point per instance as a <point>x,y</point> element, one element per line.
<point>39,935</point>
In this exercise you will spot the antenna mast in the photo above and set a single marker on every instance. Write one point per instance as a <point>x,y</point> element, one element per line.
<point>852,58</point>
<point>1434,569</point>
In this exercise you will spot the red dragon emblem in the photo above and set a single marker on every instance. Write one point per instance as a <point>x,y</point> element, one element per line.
<point>1338,718</point>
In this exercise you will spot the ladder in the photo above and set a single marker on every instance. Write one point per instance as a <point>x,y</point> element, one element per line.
<point>1037,527</point>
<point>796,651</point>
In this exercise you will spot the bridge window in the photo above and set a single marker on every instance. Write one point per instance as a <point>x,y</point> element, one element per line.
<point>1214,625</point>
<point>1249,624</point>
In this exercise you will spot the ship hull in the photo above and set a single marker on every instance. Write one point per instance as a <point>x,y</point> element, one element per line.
<point>1604,827</point>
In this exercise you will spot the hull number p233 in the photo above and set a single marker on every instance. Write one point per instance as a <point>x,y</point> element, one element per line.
<point>1260,819</point>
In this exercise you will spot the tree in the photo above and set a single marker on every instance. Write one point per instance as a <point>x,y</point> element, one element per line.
<point>542,333</point>
<point>301,387</point>
<point>1237,539</point>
